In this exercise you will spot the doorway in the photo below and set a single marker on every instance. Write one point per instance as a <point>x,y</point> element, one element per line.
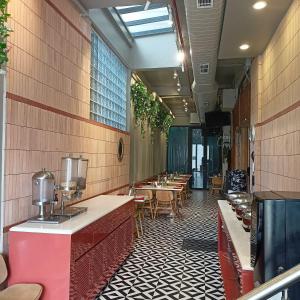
<point>205,156</point>
<point>194,150</point>
<point>199,159</point>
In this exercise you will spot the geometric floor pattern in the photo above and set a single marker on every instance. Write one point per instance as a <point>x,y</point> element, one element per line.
<point>174,259</point>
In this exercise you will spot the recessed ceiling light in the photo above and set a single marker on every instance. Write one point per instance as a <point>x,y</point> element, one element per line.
<point>260,5</point>
<point>178,89</point>
<point>244,47</point>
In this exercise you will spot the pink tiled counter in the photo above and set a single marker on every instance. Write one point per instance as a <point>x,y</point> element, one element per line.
<point>75,259</point>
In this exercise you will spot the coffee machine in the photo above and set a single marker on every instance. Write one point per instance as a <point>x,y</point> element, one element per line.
<point>275,236</point>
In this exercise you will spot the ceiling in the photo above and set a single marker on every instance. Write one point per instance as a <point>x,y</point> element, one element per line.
<point>208,35</point>
<point>243,24</point>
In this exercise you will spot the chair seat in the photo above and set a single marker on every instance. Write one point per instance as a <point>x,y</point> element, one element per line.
<point>22,291</point>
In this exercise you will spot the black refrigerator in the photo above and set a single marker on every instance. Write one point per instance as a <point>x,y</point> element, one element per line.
<point>275,236</point>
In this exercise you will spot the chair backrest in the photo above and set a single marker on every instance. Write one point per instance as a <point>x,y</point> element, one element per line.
<point>217,181</point>
<point>164,196</point>
<point>147,193</point>
<point>3,270</point>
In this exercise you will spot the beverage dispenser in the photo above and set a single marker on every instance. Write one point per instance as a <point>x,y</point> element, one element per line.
<point>81,173</point>
<point>72,182</point>
<point>43,184</point>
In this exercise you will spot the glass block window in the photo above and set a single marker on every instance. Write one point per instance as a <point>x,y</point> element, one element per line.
<point>109,79</point>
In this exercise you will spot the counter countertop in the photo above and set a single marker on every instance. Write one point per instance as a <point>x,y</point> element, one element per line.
<point>97,207</point>
<point>240,238</point>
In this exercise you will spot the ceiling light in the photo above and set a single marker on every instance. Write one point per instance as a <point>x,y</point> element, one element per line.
<point>147,5</point>
<point>244,47</point>
<point>183,100</point>
<point>180,56</point>
<point>178,89</point>
<point>260,5</point>
<point>175,74</point>
<point>178,83</point>
<point>160,99</point>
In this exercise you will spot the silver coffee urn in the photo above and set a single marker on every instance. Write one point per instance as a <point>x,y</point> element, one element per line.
<point>43,194</point>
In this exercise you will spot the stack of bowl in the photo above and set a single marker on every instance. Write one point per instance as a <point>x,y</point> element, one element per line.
<point>241,204</point>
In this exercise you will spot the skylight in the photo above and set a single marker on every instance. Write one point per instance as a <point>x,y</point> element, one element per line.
<point>155,20</point>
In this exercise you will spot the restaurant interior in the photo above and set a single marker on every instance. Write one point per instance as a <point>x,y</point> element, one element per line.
<point>150,149</point>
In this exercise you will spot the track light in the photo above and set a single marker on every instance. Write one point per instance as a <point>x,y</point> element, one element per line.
<point>147,5</point>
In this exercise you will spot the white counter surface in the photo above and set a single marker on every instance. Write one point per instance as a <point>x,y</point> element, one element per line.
<point>240,238</point>
<point>97,207</point>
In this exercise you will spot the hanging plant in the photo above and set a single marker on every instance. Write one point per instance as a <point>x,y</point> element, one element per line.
<point>4,32</point>
<point>165,121</point>
<point>140,100</point>
<point>154,109</point>
<point>149,111</point>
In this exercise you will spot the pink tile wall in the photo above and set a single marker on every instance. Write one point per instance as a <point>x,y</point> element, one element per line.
<point>49,64</point>
<point>276,89</point>
<point>49,61</point>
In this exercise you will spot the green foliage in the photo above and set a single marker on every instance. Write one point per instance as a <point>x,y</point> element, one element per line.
<point>149,111</point>
<point>4,32</point>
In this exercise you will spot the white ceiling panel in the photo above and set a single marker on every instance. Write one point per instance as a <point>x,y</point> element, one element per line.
<point>243,24</point>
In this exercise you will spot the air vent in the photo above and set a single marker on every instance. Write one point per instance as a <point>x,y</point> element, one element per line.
<point>204,68</point>
<point>205,3</point>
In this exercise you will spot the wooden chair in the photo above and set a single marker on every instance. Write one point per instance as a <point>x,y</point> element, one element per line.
<point>216,184</point>
<point>20,291</point>
<point>139,201</point>
<point>149,203</point>
<point>165,201</point>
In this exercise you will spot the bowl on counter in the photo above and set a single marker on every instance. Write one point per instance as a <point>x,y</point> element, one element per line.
<point>240,208</point>
<point>236,195</point>
<point>247,219</point>
<point>238,201</point>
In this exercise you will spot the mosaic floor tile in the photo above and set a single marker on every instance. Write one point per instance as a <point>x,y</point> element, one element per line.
<point>175,258</point>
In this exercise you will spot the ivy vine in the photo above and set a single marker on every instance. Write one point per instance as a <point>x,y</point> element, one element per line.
<point>148,111</point>
<point>4,32</point>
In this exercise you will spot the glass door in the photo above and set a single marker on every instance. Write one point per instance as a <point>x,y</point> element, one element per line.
<point>199,159</point>
<point>194,150</point>
<point>206,160</point>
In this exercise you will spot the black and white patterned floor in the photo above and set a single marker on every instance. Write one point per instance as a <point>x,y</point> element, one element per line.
<point>175,259</point>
